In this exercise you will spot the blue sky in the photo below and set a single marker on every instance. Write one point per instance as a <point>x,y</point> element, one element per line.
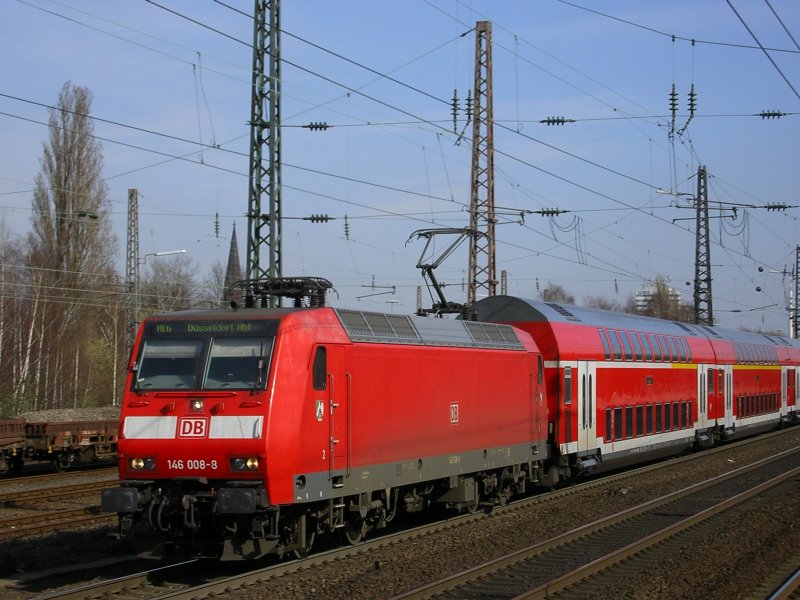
<point>391,163</point>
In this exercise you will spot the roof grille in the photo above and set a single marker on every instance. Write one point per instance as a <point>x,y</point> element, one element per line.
<point>562,311</point>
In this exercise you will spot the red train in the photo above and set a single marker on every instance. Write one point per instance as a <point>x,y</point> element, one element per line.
<point>251,432</point>
<point>64,443</point>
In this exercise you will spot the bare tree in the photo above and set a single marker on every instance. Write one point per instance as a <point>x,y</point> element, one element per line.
<point>169,285</point>
<point>70,255</point>
<point>557,294</point>
<point>603,303</point>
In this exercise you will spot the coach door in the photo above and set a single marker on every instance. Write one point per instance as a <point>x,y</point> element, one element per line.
<point>339,421</point>
<point>728,393</point>
<point>790,389</point>
<point>715,380</point>
<point>704,376</point>
<point>587,411</point>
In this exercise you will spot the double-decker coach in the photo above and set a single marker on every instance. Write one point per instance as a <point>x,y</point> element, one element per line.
<point>624,388</point>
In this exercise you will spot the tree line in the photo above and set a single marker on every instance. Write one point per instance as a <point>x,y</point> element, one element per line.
<point>63,305</point>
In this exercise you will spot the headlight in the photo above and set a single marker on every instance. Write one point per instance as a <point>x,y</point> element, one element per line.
<point>142,464</point>
<point>249,463</point>
<point>196,405</point>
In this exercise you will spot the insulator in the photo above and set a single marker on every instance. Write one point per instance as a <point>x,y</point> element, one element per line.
<point>692,101</point>
<point>216,225</point>
<point>346,228</point>
<point>317,126</point>
<point>454,111</point>
<point>771,114</point>
<point>468,106</point>
<point>318,218</point>
<point>673,101</point>
<point>556,121</point>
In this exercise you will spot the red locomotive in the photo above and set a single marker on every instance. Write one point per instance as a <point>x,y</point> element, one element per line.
<point>250,432</point>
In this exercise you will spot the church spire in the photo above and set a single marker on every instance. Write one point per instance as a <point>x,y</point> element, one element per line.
<point>233,272</point>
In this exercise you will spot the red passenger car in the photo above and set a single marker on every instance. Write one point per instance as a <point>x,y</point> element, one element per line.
<point>623,388</point>
<point>250,432</point>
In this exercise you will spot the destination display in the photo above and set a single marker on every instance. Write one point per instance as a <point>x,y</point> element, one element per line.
<point>156,329</point>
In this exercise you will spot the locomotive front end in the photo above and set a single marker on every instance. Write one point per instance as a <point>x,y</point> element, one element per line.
<point>192,452</point>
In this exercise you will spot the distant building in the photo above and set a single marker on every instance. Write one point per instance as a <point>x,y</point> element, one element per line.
<point>643,298</point>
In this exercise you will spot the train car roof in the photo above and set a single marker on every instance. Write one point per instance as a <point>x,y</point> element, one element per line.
<point>362,326</point>
<point>510,309</point>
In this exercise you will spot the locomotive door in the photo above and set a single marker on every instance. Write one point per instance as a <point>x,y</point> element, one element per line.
<point>587,428</point>
<point>339,420</point>
<point>790,389</point>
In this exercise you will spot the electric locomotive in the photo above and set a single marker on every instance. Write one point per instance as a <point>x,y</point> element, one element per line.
<point>250,432</point>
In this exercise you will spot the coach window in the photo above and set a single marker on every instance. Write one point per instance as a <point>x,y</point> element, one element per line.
<point>681,349</point>
<point>320,369</point>
<point>626,345</point>
<point>686,349</point>
<point>674,349</point>
<point>639,420</point>
<point>664,348</point>
<point>684,415</point>
<point>675,416</point>
<point>567,385</point>
<point>667,415</point>
<point>615,344</point>
<point>618,423</point>
<point>604,341</point>
<point>628,421</point>
<point>659,411</point>
<point>609,428</point>
<point>637,347</point>
<point>648,419</point>
<point>648,349</point>
<point>656,348</point>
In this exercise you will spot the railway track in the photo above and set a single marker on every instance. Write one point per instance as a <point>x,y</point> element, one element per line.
<point>584,560</point>
<point>47,522</point>
<point>55,493</point>
<point>175,583</point>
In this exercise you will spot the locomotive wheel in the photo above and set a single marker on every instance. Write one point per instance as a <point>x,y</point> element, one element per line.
<point>471,507</point>
<point>355,530</point>
<point>303,552</point>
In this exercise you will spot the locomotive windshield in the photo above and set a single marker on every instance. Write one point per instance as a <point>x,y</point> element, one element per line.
<point>209,355</point>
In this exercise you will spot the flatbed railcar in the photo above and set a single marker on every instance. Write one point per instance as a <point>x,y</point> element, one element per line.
<point>12,445</point>
<point>70,443</point>
<point>62,443</point>
<point>249,433</point>
<point>624,388</point>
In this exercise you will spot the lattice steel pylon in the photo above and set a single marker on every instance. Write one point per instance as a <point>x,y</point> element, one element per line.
<point>132,269</point>
<point>264,229</point>
<point>482,279</point>
<point>793,304</point>
<point>703,311</point>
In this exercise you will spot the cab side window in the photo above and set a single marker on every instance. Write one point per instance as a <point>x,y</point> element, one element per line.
<point>320,369</point>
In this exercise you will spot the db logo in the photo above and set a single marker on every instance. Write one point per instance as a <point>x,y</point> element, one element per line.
<point>454,413</point>
<point>192,427</point>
